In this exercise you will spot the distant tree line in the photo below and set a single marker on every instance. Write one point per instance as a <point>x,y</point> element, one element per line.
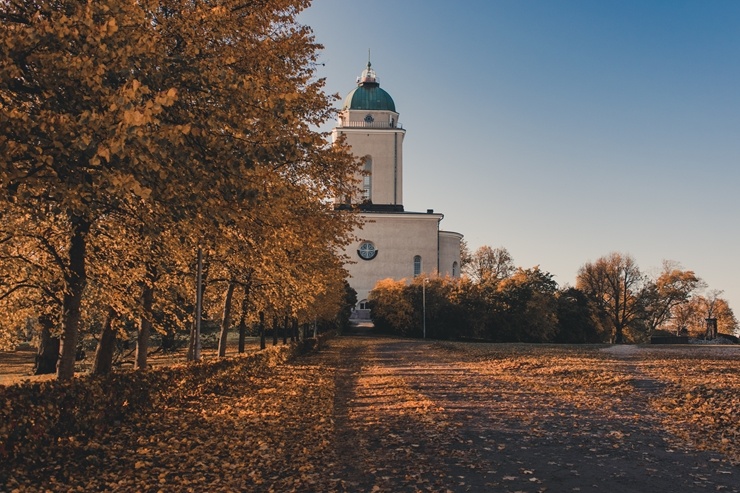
<point>613,301</point>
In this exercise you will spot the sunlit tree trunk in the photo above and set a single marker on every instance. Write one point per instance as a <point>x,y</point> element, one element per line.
<point>75,282</point>
<point>103,363</point>
<point>226,320</point>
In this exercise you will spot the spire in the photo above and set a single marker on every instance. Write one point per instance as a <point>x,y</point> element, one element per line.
<point>368,75</point>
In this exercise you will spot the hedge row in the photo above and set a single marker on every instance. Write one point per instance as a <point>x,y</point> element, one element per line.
<point>36,415</point>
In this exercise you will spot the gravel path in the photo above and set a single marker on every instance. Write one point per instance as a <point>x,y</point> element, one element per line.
<point>410,417</point>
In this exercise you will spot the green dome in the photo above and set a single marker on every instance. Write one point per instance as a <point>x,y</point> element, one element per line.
<point>368,95</point>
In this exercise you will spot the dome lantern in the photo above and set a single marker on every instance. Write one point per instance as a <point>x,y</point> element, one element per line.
<point>368,95</point>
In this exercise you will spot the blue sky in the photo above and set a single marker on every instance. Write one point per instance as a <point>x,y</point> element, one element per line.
<point>561,130</point>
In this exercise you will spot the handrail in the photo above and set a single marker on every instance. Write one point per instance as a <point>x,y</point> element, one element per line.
<point>362,124</point>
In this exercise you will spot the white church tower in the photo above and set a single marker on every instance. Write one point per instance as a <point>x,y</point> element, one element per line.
<point>369,122</point>
<point>393,243</point>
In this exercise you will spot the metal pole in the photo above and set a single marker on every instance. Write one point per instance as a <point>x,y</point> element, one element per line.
<point>424,307</point>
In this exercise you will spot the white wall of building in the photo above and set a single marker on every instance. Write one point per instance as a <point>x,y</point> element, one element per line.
<point>449,253</point>
<point>384,144</point>
<point>398,237</point>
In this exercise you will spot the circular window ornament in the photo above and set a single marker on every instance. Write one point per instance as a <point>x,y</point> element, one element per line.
<point>369,118</point>
<point>367,250</point>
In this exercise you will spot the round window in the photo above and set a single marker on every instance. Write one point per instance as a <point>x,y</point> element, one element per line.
<point>367,250</point>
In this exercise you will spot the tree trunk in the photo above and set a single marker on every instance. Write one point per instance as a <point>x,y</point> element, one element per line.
<point>226,320</point>
<point>242,335</point>
<point>294,332</point>
<point>48,351</point>
<point>262,330</point>
<point>106,345</point>
<point>619,335</point>
<point>145,326</point>
<point>243,320</point>
<point>200,287</point>
<point>75,281</point>
<point>274,330</point>
<point>168,341</point>
<point>285,330</point>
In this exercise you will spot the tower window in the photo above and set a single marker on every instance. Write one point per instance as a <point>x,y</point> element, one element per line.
<point>455,268</point>
<point>367,180</point>
<point>417,265</point>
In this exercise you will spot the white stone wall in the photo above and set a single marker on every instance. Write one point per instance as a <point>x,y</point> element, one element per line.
<point>398,237</point>
<point>449,252</point>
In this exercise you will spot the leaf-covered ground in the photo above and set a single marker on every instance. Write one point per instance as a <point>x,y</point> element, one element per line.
<point>17,366</point>
<point>372,415</point>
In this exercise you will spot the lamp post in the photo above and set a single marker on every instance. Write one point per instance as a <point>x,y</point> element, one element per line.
<point>424,308</point>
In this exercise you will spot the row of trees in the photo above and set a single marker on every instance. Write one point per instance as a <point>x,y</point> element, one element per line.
<point>613,301</point>
<point>133,134</point>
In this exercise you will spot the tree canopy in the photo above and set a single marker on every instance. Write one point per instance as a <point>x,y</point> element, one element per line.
<point>130,132</point>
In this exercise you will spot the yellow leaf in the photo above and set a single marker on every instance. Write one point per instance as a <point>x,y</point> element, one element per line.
<point>104,152</point>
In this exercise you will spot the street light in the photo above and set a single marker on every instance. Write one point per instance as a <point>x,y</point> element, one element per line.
<point>424,307</point>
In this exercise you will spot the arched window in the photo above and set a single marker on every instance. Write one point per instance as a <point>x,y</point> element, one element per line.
<point>367,180</point>
<point>455,272</point>
<point>417,265</point>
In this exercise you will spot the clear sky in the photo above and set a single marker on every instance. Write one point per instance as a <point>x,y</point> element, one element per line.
<point>562,130</point>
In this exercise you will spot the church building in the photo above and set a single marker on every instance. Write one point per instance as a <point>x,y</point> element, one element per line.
<point>393,243</point>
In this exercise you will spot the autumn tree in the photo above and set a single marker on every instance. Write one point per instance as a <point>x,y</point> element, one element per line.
<point>392,308</point>
<point>619,290</point>
<point>578,318</point>
<point>286,256</point>
<point>527,307</point>
<point>488,263</point>
<point>437,304</point>
<point>672,288</point>
<point>152,113</point>
<point>705,306</point>
<point>68,90</point>
<point>465,254</point>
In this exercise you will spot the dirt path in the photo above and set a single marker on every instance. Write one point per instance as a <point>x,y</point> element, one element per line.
<point>387,415</point>
<point>411,417</point>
